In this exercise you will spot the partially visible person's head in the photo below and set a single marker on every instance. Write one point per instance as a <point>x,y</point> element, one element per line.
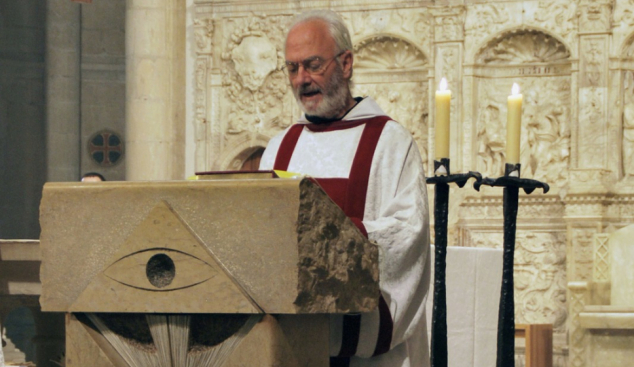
<point>319,63</point>
<point>92,177</point>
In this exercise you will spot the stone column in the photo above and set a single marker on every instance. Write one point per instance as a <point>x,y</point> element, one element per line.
<point>63,55</point>
<point>155,89</point>
<point>448,48</point>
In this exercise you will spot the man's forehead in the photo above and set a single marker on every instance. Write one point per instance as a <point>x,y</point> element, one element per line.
<point>308,39</point>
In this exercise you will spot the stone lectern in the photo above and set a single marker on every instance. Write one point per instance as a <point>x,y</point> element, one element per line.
<point>201,273</point>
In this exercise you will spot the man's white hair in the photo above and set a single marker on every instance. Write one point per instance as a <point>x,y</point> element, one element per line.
<point>336,25</point>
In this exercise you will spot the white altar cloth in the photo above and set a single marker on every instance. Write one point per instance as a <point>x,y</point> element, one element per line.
<point>474,279</point>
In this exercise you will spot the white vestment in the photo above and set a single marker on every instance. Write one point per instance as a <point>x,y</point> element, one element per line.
<point>396,217</point>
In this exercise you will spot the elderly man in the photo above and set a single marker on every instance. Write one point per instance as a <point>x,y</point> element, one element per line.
<point>370,166</point>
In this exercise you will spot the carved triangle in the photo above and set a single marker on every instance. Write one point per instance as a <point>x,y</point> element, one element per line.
<point>164,267</point>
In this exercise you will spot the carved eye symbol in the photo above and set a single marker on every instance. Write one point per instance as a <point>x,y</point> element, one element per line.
<point>160,269</point>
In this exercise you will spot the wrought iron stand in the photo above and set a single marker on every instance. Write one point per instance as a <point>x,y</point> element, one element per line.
<point>442,179</point>
<point>511,182</point>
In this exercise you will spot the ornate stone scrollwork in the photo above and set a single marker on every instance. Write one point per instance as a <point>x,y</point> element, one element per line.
<point>558,16</point>
<point>540,285</point>
<point>545,138</point>
<point>203,32</point>
<point>448,23</point>
<point>253,80</point>
<point>595,15</point>
<point>540,274</point>
<point>524,46</point>
<point>483,19</point>
<point>624,13</point>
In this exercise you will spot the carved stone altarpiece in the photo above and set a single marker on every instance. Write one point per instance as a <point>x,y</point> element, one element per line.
<point>574,61</point>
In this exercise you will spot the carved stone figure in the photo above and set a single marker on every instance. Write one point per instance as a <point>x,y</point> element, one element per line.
<point>547,139</point>
<point>593,64</point>
<point>491,140</point>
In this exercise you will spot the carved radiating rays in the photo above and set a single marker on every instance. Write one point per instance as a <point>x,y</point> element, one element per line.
<point>388,53</point>
<point>173,340</point>
<point>524,46</point>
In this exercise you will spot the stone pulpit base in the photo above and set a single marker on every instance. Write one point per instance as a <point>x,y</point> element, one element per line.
<point>203,273</point>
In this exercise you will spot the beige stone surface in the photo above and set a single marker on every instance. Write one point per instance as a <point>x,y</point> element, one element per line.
<point>242,244</point>
<point>284,341</point>
<point>622,255</point>
<point>83,349</point>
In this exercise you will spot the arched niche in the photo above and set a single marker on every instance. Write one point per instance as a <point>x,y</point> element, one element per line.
<point>627,105</point>
<point>540,64</point>
<point>394,72</point>
<point>236,156</point>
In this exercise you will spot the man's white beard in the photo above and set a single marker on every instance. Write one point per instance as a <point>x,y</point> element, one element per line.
<point>334,97</point>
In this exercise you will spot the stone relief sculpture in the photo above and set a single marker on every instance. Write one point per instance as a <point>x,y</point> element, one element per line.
<point>624,13</point>
<point>540,287</point>
<point>591,114</point>
<point>540,274</point>
<point>595,15</point>
<point>545,148</point>
<point>628,125</point>
<point>545,138</point>
<point>253,80</point>
<point>412,23</point>
<point>560,16</point>
<point>491,138</point>
<point>483,19</point>
<point>203,31</point>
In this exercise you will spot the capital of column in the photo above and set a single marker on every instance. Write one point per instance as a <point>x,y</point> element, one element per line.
<point>595,16</point>
<point>448,23</point>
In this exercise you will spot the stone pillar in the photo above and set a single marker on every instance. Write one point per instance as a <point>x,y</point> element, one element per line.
<point>591,168</point>
<point>63,55</point>
<point>448,48</point>
<point>155,90</point>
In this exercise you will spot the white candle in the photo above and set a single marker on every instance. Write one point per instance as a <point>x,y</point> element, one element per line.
<point>443,106</point>
<point>513,125</point>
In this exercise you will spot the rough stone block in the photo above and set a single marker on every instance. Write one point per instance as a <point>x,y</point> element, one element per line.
<point>217,246</point>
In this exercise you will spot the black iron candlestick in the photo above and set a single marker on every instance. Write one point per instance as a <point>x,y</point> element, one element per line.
<point>441,179</point>
<point>511,182</point>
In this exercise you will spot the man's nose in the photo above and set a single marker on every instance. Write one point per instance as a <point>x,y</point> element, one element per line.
<point>302,76</point>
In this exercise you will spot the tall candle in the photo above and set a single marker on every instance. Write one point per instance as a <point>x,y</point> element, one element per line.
<point>443,104</point>
<point>513,125</point>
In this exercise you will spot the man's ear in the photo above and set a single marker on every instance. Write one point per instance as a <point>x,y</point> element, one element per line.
<point>346,63</point>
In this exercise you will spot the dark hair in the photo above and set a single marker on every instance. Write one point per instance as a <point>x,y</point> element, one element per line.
<point>95,174</point>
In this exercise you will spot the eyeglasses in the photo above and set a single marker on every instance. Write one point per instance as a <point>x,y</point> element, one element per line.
<point>312,65</point>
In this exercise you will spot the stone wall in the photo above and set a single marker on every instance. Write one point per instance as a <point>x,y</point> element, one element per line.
<point>574,61</point>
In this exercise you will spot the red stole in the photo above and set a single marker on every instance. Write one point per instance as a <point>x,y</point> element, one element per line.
<point>350,194</point>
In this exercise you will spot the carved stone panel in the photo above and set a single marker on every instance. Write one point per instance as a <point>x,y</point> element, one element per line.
<point>448,23</point>
<point>592,133</point>
<point>256,91</point>
<point>595,15</point>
